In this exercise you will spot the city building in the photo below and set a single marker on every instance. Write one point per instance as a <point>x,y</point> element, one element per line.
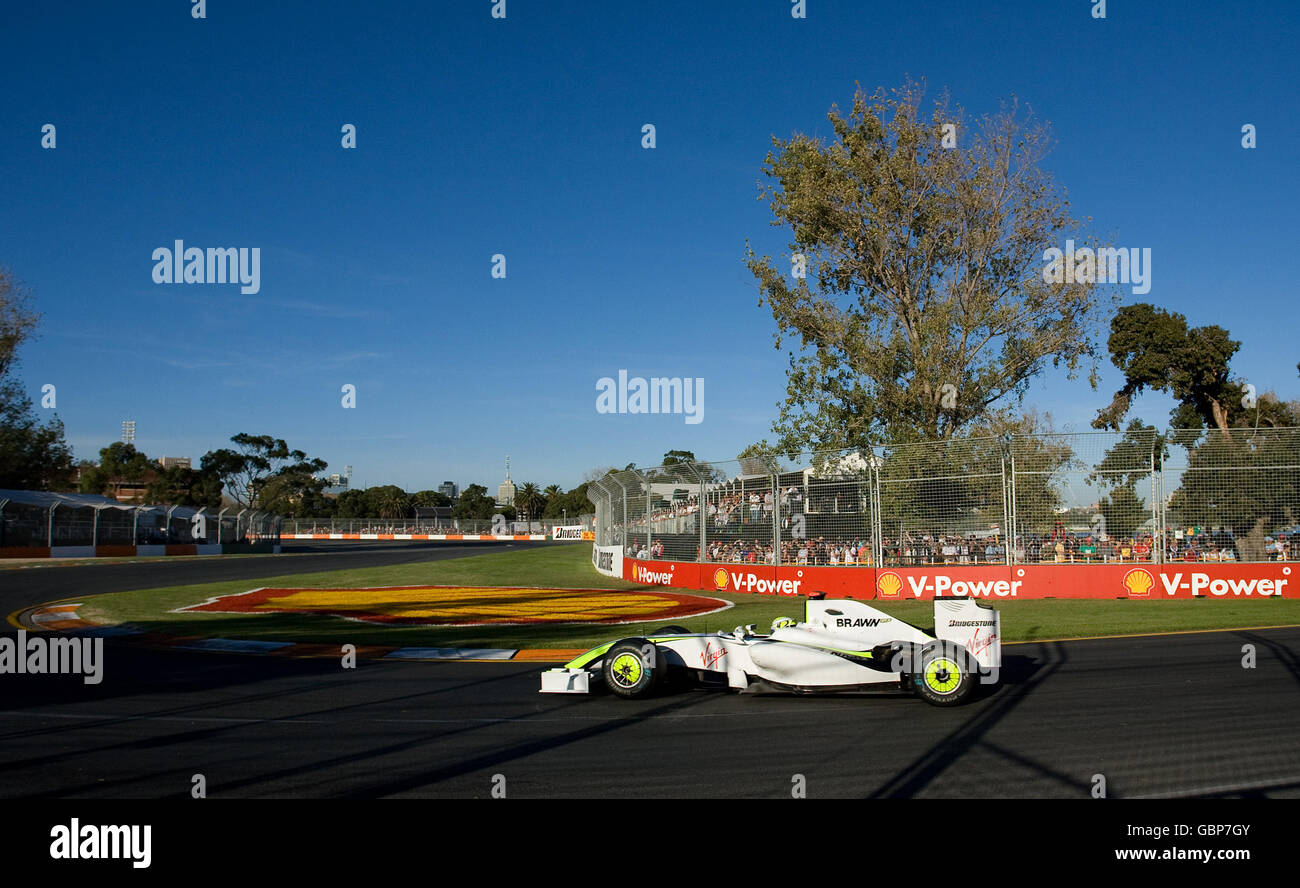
<point>506,490</point>
<point>449,489</point>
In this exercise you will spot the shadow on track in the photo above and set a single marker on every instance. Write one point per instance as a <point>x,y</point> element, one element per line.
<point>1021,677</point>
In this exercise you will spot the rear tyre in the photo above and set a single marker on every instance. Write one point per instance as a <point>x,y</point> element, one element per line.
<point>632,668</point>
<point>671,630</point>
<point>944,677</point>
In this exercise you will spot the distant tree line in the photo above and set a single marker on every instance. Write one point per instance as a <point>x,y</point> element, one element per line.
<point>262,473</point>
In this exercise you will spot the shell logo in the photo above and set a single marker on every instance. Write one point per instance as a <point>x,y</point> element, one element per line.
<point>888,584</point>
<point>1138,582</point>
<point>720,579</point>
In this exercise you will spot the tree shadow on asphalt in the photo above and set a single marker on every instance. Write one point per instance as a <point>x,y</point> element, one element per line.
<point>1021,676</point>
<point>1284,654</point>
<point>209,675</point>
<point>450,726</point>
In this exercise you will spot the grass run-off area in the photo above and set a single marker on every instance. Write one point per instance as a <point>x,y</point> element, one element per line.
<point>569,566</point>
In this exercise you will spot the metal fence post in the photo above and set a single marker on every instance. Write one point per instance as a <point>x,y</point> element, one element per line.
<point>1158,507</point>
<point>1006,520</point>
<point>878,524</point>
<point>1013,519</point>
<point>49,530</point>
<point>624,535</point>
<point>702,515</point>
<point>776,516</point>
<point>649,540</point>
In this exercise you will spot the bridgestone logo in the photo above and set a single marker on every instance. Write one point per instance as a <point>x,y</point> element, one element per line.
<point>968,623</point>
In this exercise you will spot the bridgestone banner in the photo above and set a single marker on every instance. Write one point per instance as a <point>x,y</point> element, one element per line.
<point>574,532</point>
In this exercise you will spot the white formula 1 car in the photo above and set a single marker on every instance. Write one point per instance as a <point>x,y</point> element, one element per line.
<point>841,645</point>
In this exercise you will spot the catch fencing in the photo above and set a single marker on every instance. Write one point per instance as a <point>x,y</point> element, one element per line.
<point>1140,496</point>
<point>352,526</point>
<point>32,520</point>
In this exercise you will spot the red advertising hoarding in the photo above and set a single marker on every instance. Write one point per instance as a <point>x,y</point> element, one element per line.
<point>1020,581</point>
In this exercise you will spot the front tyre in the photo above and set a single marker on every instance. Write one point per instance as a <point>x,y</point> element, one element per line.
<point>945,677</point>
<point>632,668</point>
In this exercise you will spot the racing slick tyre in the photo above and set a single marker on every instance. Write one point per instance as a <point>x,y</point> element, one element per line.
<point>632,668</point>
<point>671,630</point>
<point>945,677</point>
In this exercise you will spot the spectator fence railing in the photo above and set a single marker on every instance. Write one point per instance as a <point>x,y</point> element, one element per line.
<point>1138,496</point>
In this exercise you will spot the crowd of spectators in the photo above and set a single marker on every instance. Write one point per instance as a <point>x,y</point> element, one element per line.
<point>739,522</point>
<point>1061,547</point>
<point>726,509</point>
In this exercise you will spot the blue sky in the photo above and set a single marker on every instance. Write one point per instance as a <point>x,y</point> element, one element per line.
<point>522,136</point>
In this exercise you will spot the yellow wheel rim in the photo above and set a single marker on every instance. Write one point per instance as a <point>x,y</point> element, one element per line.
<point>942,675</point>
<point>627,670</point>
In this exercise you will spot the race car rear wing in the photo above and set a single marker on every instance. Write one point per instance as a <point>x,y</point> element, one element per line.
<point>975,626</point>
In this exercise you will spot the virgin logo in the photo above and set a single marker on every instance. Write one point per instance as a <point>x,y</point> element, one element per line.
<point>977,644</point>
<point>711,656</point>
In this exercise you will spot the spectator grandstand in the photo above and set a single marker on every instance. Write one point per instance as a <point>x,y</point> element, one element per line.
<point>1093,498</point>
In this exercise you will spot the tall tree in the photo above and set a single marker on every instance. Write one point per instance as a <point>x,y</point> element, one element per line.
<point>1242,481</point>
<point>33,454</point>
<point>184,486</point>
<point>1268,410</point>
<point>474,502</point>
<point>352,504</point>
<point>569,504</point>
<point>394,503</point>
<point>259,458</point>
<point>430,498</point>
<point>1156,349</point>
<point>119,463</point>
<point>529,501</point>
<point>925,301</point>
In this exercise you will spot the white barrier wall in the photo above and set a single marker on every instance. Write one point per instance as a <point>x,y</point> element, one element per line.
<point>608,560</point>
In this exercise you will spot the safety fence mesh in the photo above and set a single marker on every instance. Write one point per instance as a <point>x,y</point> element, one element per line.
<point>1140,495</point>
<point>46,520</point>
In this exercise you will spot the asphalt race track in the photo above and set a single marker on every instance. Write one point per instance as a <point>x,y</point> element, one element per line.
<point>24,587</point>
<point>1171,717</point>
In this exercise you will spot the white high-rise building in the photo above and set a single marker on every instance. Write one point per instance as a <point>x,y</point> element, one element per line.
<point>506,490</point>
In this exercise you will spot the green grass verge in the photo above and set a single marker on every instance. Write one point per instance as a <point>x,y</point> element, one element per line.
<point>569,566</point>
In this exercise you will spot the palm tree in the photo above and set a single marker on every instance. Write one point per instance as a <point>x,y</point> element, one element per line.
<point>530,501</point>
<point>394,505</point>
